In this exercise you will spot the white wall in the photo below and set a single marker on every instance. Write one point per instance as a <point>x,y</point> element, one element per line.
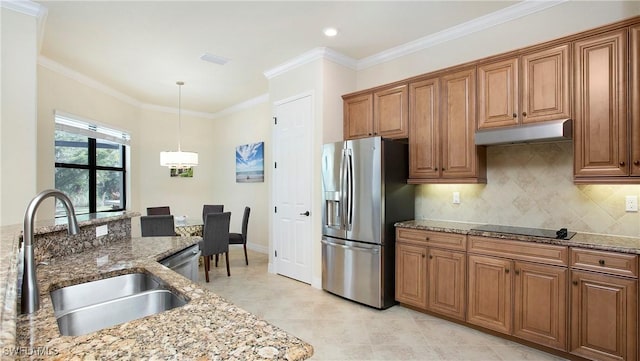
<point>159,132</point>
<point>18,115</point>
<point>243,127</point>
<point>69,94</point>
<point>327,81</point>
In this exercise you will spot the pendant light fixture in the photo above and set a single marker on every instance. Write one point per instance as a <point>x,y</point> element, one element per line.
<point>179,159</point>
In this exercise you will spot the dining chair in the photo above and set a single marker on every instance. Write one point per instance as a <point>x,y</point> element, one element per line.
<point>211,208</point>
<point>155,211</point>
<point>215,240</point>
<point>241,238</point>
<point>159,225</point>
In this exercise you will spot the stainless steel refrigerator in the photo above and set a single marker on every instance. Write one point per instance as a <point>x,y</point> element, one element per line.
<point>365,191</point>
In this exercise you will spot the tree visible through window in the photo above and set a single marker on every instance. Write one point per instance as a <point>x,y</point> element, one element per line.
<point>90,166</point>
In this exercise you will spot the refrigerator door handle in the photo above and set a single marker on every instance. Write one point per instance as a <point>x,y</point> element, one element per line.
<point>353,248</point>
<point>349,215</point>
<point>343,187</point>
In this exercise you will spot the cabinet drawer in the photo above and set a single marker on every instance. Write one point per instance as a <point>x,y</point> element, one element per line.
<point>520,250</point>
<point>607,262</point>
<point>433,239</point>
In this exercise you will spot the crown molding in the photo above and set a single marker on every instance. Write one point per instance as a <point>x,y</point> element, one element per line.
<point>510,13</point>
<point>242,106</point>
<point>24,7</point>
<point>309,56</point>
<point>85,80</point>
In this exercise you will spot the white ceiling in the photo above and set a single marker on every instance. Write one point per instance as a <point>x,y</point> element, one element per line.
<point>142,48</point>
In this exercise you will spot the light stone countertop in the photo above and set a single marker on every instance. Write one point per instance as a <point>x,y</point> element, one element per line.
<point>601,242</point>
<point>206,328</point>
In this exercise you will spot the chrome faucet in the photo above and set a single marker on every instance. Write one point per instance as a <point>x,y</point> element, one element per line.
<point>30,301</point>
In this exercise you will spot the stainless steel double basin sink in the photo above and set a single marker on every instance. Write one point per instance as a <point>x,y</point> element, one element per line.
<point>92,306</point>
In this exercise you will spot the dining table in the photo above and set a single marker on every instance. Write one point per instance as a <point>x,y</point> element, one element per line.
<point>187,227</point>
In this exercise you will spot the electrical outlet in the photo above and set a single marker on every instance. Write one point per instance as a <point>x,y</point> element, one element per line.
<point>456,197</point>
<point>102,230</point>
<point>631,203</point>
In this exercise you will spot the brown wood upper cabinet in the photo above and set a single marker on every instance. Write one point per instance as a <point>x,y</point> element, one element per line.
<point>602,146</point>
<point>442,124</point>
<point>382,112</point>
<point>634,67</point>
<point>529,88</point>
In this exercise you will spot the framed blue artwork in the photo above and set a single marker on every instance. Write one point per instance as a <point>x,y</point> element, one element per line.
<point>250,163</point>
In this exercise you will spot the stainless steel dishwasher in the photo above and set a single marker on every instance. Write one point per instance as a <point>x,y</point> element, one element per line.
<point>184,262</point>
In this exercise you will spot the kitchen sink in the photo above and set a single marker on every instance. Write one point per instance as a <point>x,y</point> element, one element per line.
<point>92,306</point>
<point>114,312</point>
<point>89,293</point>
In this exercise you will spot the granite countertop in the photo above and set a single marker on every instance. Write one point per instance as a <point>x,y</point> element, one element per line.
<point>207,327</point>
<point>10,260</point>
<point>601,242</point>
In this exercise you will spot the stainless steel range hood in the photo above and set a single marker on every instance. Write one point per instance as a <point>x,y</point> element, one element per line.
<point>555,130</point>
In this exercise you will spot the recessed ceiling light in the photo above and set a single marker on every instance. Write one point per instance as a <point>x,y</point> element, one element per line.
<point>214,58</point>
<point>330,32</point>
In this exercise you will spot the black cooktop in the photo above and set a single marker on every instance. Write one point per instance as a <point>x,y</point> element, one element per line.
<point>535,232</point>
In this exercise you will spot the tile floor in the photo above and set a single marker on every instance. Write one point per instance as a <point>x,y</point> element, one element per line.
<point>343,330</point>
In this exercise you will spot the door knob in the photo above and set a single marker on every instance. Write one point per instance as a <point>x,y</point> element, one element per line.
<point>305,214</point>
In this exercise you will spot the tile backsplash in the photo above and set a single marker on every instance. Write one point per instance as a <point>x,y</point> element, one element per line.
<point>531,185</point>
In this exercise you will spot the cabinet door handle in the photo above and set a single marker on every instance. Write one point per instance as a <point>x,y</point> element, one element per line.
<point>430,257</point>
<point>622,164</point>
<point>524,114</point>
<point>423,255</point>
<point>601,262</point>
<point>517,272</point>
<point>436,168</point>
<point>506,270</point>
<point>575,283</point>
<point>370,134</point>
<point>426,238</point>
<point>636,162</point>
<point>515,115</point>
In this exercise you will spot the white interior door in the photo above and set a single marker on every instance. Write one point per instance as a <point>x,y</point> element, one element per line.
<point>292,187</point>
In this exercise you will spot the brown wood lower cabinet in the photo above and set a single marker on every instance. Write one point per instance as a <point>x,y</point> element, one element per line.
<point>446,282</point>
<point>411,272</point>
<point>603,316</point>
<point>581,302</point>
<point>431,278</point>
<point>519,289</point>
<point>540,304</point>
<point>490,293</point>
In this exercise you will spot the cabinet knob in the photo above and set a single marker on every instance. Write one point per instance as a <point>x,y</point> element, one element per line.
<point>506,270</point>
<point>517,272</point>
<point>622,164</point>
<point>443,169</point>
<point>423,255</point>
<point>636,162</point>
<point>370,134</point>
<point>430,257</point>
<point>575,283</point>
<point>515,115</point>
<point>601,262</point>
<point>524,114</point>
<point>436,168</point>
<point>426,238</point>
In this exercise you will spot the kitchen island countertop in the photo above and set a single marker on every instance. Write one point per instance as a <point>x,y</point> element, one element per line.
<point>601,242</point>
<point>206,328</point>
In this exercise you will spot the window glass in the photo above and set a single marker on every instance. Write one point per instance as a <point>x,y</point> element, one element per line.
<point>75,183</point>
<point>71,148</point>
<point>109,190</point>
<point>108,154</point>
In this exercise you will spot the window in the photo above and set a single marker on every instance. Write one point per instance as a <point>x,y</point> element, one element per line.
<point>90,165</point>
